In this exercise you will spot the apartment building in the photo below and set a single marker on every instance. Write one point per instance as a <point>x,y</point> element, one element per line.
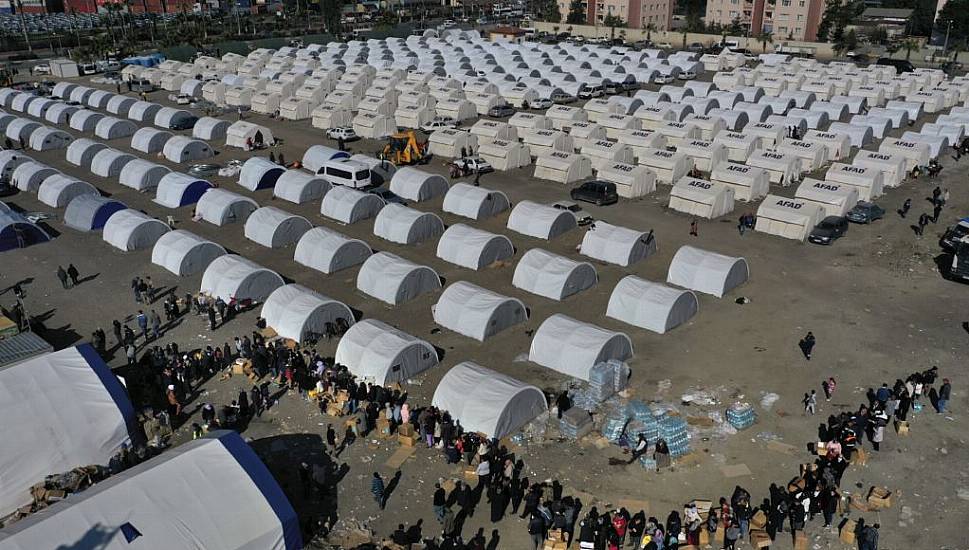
<point>638,14</point>
<point>784,19</point>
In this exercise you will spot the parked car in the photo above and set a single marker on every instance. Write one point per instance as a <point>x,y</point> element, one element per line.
<point>474,164</point>
<point>562,98</point>
<point>40,68</point>
<point>686,75</point>
<point>345,132</point>
<point>901,65</point>
<point>695,47</point>
<point>205,170</point>
<point>664,45</point>
<point>662,78</point>
<point>7,189</point>
<point>865,212</point>
<point>829,230</point>
<point>581,217</point>
<point>186,123</point>
<point>231,169</point>
<point>596,192</point>
<point>439,123</point>
<point>590,92</point>
<point>501,111</point>
<point>954,234</point>
<point>541,103</point>
<point>183,99</point>
<point>88,68</point>
<point>388,196</point>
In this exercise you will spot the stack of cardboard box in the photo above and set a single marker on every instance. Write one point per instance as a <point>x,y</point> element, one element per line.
<point>847,531</point>
<point>901,427</point>
<point>555,540</point>
<point>406,435</point>
<point>759,538</point>
<point>879,498</point>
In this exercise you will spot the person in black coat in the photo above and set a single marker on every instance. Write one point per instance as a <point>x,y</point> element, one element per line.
<point>532,499</point>
<point>499,501</point>
<point>517,493</point>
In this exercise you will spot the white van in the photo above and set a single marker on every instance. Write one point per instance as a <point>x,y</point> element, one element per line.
<point>350,173</point>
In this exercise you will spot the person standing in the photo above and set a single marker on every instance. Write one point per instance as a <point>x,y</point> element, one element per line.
<point>945,196</point>
<point>936,211</point>
<point>143,324</point>
<point>828,386</point>
<point>116,328</point>
<point>640,449</point>
<point>869,537</point>
<point>62,276</point>
<point>810,403</point>
<point>935,194</point>
<point>906,206</point>
<point>211,314</point>
<point>742,224</point>
<point>73,274</point>
<point>377,489</point>
<point>536,529</point>
<point>440,500</point>
<point>923,221</point>
<point>135,283</point>
<point>807,345</point>
<point>944,393</point>
<point>155,325</point>
<point>694,228</point>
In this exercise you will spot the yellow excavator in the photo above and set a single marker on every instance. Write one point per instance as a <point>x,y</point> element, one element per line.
<point>403,149</point>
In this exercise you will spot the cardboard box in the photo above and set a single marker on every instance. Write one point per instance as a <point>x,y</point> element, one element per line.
<point>718,534</point>
<point>268,333</point>
<point>879,497</point>
<point>759,520</point>
<point>241,366</point>
<point>847,531</point>
<point>821,448</point>
<point>901,427</point>
<point>800,540</point>
<point>796,485</point>
<point>406,440</point>
<point>555,535</point>
<point>406,429</point>
<point>859,457</point>
<point>704,536</point>
<point>858,503</point>
<point>759,539</point>
<point>470,474</point>
<point>334,409</point>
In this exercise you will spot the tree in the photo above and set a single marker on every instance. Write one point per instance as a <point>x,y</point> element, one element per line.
<point>736,27</point>
<point>846,43</point>
<point>955,13</point>
<point>330,10</point>
<point>839,14</point>
<point>548,10</point>
<point>694,10</point>
<point>878,35</point>
<point>649,31</point>
<point>765,38</point>
<point>576,13</point>
<point>613,21</point>
<point>909,46</point>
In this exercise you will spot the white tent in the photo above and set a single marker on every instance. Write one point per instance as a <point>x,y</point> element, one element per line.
<point>113,128</point>
<point>209,128</point>
<point>487,401</point>
<point>375,351</point>
<point>473,248</point>
<point>60,114</point>
<point>275,228</point>
<point>317,155</point>
<point>706,155</point>
<point>219,207</point>
<point>564,167</point>
<point>184,253</point>
<point>394,280</point>
<point>652,116</point>
<point>246,135</point>
<point>734,120</point>
<point>328,251</point>
<point>170,117</point>
<point>837,144</point>
<point>185,149</point>
<point>529,121</point>
<point>472,202</point>
<point>811,155</point>
<point>349,206</point>
<point>140,174</point>
<point>456,108</point>
<point>417,185</point>
<point>21,102</point>
<point>477,312</point>
<point>739,146</point>
<point>707,272</point>
<point>859,136</point>
<point>224,497</point>
<point>81,152</point>
<point>82,409</point>
<point>296,312</point>
<point>47,139</point>
<point>631,181</point>
<point>150,140</point>
<point>583,133</point>
<point>938,144</point>
<point>602,153</point>
<point>297,108</point>
<point>298,187</point>
<point>869,182</point>
<point>374,126</point>
<point>573,348</point>
<point>108,162</point>
<point>130,229</point>
<point>813,119</point>
<point>175,190</point>
<point>916,154</point>
<point>143,111</point>
<point>259,173</point>
<point>617,245</point>
<point>540,221</point>
<point>490,130</point>
<point>781,168</point>
<point>676,133</point>
<point>21,129</point>
<point>701,198</point>
<point>649,305</point>
<point>891,165</point>
<point>410,116</point>
<point>563,117</point>
<point>769,134</point>
<point>10,159</point>
<point>331,116</point>
<point>551,275</point>
<point>400,224</point>
<point>542,142</point>
<point>88,212</point>
<point>668,166</point>
<point>84,120</point>
<point>449,142</point>
<point>642,141</point>
<point>29,175</point>
<point>709,126</point>
<point>58,190</point>
<point>834,199</point>
<point>234,278</point>
<point>788,218</point>
<point>505,155</point>
<point>748,183</point>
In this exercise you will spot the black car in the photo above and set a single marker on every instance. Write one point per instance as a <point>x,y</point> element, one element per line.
<point>865,212</point>
<point>186,123</point>
<point>829,230</point>
<point>596,192</point>
<point>501,111</point>
<point>901,65</point>
<point>954,234</point>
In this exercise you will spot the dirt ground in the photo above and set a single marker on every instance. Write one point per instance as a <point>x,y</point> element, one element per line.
<point>874,300</point>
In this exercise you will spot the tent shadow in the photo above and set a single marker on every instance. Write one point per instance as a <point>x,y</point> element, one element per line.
<point>96,538</point>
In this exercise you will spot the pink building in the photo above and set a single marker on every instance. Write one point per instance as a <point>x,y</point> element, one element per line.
<point>785,19</point>
<point>637,14</point>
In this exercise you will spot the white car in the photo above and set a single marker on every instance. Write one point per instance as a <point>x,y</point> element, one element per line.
<point>581,218</point>
<point>686,75</point>
<point>42,68</point>
<point>439,123</point>
<point>474,164</point>
<point>345,133</point>
<point>541,103</point>
<point>663,79</point>
<point>231,169</point>
<point>88,68</point>
<point>183,99</point>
